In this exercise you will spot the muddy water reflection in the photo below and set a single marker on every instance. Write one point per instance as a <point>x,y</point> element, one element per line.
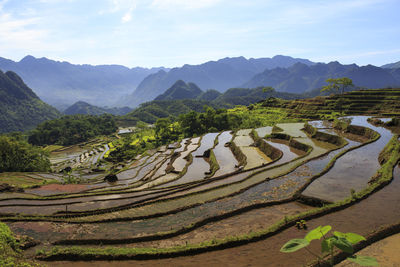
<point>225,158</point>
<point>351,171</point>
<point>289,153</point>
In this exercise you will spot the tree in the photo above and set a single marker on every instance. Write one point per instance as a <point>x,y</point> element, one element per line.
<point>338,84</point>
<point>18,155</point>
<point>268,89</point>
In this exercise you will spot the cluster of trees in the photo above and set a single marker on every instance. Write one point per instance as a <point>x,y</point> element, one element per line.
<point>132,145</point>
<point>196,123</point>
<point>72,129</point>
<point>211,120</point>
<point>18,155</point>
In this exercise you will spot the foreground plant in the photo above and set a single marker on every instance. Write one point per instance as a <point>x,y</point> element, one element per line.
<point>342,241</point>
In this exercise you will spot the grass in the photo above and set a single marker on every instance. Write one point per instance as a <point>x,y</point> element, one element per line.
<point>261,116</point>
<point>22,180</point>
<point>52,148</point>
<point>10,254</point>
<point>214,166</point>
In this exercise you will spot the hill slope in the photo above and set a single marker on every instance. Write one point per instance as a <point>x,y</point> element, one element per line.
<point>180,90</point>
<point>220,75</point>
<point>20,108</point>
<point>300,77</point>
<point>61,84</point>
<point>376,102</point>
<point>151,111</point>
<point>81,107</point>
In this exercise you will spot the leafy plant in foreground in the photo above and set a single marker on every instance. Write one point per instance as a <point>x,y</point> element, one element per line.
<point>342,241</point>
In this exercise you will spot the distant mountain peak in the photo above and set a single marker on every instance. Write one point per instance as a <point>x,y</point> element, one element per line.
<point>27,58</point>
<point>180,90</point>
<point>220,75</point>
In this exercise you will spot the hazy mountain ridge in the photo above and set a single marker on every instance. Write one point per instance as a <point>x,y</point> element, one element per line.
<point>300,78</point>
<point>82,107</point>
<point>220,75</point>
<point>62,84</point>
<point>20,108</point>
<point>394,65</point>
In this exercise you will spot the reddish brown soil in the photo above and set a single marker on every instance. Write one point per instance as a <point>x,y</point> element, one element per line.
<point>59,188</point>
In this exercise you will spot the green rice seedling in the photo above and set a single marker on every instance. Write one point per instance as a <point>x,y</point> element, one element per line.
<point>342,241</point>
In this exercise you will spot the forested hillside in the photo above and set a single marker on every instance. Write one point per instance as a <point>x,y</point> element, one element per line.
<point>20,108</point>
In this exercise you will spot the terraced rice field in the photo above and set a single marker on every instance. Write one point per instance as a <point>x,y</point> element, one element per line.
<point>168,197</point>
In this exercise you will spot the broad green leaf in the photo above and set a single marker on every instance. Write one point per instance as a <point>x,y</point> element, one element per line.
<point>351,237</point>
<point>363,260</point>
<point>339,234</point>
<point>342,244</point>
<point>326,244</point>
<point>294,245</point>
<point>318,232</point>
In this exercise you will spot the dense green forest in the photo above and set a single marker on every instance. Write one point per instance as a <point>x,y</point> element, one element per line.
<point>72,129</point>
<point>16,154</point>
<point>20,108</point>
<point>151,111</point>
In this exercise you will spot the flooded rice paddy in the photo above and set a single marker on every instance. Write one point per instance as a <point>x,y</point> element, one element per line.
<point>170,189</point>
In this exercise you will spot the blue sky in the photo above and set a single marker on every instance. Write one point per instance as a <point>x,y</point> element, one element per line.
<point>174,32</point>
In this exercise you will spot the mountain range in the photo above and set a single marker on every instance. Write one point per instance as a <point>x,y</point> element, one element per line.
<point>20,108</point>
<point>300,78</point>
<point>62,84</point>
<point>172,104</point>
<point>219,75</point>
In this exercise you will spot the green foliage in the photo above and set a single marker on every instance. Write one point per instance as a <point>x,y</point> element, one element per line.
<point>10,255</point>
<point>70,179</point>
<point>151,111</point>
<point>72,129</point>
<point>342,123</point>
<point>166,131</point>
<point>131,145</point>
<point>20,108</point>
<point>342,241</point>
<point>18,155</point>
<point>317,233</point>
<point>338,85</point>
<point>294,245</point>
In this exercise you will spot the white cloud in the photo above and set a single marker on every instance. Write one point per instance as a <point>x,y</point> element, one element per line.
<point>186,4</point>
<point>125,6</point>
<point>18,33</point>
<point>127,17</point>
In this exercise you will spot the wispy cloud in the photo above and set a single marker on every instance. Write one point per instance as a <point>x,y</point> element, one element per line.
<point>185,4</point>
<point>2,3</point>
<point>17,33</point>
